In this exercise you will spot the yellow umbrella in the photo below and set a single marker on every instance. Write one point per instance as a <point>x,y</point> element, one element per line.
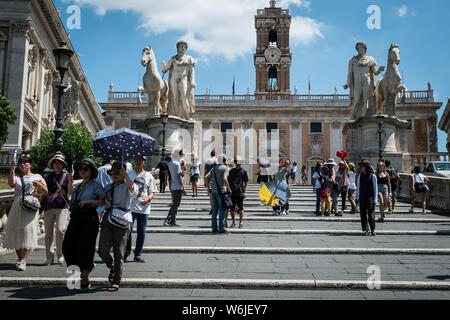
<point>267,197</point>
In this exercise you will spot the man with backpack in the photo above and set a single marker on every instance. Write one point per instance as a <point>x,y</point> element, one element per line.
<point>238,180</point>
<point>394,177</point>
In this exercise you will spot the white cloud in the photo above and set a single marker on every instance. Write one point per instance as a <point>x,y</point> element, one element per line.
<point>211,27</point>
<point>403,11</point>
<point>304,30</point>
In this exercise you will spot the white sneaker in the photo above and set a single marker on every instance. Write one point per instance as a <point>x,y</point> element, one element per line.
<point>424,212</point>
<point>61,260</point>
<point>22,266</point>
<point>283,213</point>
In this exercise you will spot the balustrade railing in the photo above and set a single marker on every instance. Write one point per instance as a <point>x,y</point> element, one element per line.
<point>406,97</point>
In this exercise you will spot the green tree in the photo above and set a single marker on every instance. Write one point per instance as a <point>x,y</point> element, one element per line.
<point>7,116</point>
<point>77,145</point>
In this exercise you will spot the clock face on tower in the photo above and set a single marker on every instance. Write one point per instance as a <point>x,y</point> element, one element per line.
<point>272,54</point>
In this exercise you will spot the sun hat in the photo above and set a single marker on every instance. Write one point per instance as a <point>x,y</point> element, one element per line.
<point>59,157</point>
<point>330,162</point>
<point>90,163</point>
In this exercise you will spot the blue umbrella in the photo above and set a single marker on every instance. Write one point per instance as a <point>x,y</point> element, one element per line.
<point>123,144</point>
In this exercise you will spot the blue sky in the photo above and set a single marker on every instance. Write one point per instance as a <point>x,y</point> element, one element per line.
<point>221,37</point>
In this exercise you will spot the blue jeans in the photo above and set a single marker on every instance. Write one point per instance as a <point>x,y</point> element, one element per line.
<point>318,200</point>
<point>217,208</point>
<point>142,220</point>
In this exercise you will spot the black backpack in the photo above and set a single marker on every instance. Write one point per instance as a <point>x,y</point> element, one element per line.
<point>392,176</point>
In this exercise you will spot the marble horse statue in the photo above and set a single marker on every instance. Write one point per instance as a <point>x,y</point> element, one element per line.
<point>154,85</point>
<point>388,88</point>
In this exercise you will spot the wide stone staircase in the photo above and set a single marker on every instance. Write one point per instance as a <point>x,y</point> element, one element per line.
<point>297,256</point>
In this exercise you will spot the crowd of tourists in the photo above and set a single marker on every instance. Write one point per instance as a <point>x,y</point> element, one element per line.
<point>117,195</point>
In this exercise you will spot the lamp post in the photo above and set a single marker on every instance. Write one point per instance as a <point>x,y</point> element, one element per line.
<point>62,59</point>
<point>164,119</point>
<point>380,145</point>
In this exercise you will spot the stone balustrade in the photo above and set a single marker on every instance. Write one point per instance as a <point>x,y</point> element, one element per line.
<point>438,197</point>
<point>422,159</point>
<point>334,100</point>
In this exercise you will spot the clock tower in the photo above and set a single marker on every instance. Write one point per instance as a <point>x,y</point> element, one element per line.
<point>273,56</point>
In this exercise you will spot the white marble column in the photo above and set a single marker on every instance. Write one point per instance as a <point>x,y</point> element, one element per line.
<point>16,77</point>
<point>206,141</point>
<point>41,90</point>
<point>296,144</point>
<point>3,39</point>
<point>335,138</point>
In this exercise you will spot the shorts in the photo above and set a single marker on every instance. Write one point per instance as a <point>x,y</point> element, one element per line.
<point>420,187</point>
<point>383,188</point>
<point>194,178</point>
<point>237,201</point>
<point>293,176</point>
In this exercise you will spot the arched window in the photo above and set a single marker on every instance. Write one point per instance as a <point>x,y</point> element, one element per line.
<point>273,79</point>
<point>273,39</point>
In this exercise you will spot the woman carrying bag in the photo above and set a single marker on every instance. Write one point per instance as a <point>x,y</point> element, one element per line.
<point>55,206</point>
<point>22,227</point>
<point>80,238</point>
<point>116,222</point>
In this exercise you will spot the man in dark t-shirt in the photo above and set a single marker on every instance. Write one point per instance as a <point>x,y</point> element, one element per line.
<point>238,180</point>
<point>163,167</point>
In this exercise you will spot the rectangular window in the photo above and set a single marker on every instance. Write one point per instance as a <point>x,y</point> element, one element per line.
<point>410,127</point>
<point>315,127</point>
<point>271,126</point>
<point>134,124</point>
<point>224,126</point>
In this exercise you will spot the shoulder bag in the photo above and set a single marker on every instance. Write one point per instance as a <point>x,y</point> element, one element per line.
<point>119,217</point>
<point>226,198</point>
<point>29,202</point>
<point>47,202</point>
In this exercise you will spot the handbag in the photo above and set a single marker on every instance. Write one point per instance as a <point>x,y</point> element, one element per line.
<point>226,198</point>
<point>119,217</point>
<point>47,202</point>
<point>324,193</point>
<point>29,202</point>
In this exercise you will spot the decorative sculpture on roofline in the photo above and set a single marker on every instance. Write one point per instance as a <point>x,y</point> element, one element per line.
<point>391,84</point>
<point>154,85</point>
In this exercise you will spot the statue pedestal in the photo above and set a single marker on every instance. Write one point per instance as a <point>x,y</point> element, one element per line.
<point>361,140</point>
<point>180,134</point>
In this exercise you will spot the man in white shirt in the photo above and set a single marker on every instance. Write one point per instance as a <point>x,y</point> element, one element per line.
<point>140,207</point>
